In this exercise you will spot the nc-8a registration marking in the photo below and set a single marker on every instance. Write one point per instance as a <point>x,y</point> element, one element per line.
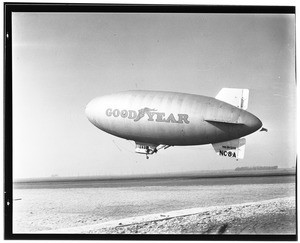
<point>227,153</point>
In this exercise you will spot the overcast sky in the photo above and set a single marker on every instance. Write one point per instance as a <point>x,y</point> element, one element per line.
<point>62,61</point>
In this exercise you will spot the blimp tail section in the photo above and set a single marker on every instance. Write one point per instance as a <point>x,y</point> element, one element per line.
<point>232,149</point>
<point>236,97</point>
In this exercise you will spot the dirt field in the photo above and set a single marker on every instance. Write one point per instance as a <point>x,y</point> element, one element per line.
<point>276,216</point>
<point>39,209</point>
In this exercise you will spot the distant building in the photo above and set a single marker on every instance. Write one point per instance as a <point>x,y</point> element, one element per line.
<point>256,168</point>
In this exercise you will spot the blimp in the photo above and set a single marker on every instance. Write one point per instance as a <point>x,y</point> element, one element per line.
<point>157,120</point>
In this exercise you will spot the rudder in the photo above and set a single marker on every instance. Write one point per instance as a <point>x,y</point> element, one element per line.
<point>236,97</point>
<point>232,149</point>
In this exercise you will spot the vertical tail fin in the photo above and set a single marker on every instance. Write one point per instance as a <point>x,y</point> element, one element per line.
<point>235,97</point>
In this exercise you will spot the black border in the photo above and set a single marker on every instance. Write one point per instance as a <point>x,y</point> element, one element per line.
<point>147,8</point>
<point>9,8</point>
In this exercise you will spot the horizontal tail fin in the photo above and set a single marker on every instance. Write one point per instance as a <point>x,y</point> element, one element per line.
<point>223,121</point>
<point>233,148</point>
<point>236,97</point>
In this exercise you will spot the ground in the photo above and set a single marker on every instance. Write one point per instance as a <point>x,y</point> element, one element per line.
<point>270,217</point>
<point>234,206</point>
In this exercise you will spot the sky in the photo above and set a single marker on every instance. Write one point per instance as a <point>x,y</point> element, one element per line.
<point>61,61</point>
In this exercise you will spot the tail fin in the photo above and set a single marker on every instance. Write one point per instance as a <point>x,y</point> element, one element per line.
<point>233,148</point>
<point>235,97</point>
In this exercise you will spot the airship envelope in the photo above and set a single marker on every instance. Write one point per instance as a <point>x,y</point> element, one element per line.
<point>160,119</point>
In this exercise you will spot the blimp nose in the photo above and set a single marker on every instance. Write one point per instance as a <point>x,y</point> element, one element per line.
<point>90,109</point>
<point>251,122</point>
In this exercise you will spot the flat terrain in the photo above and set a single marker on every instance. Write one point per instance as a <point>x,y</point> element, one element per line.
<point>37,208</point>
<point>275,216</point>
<point>229,177</point>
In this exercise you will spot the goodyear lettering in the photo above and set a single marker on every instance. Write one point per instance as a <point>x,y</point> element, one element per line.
<point>131,114</point>
<point>160,117</point>
<point>124,113</point>
<point>150,114</point>
<point>142,113</point>
<point>183,117</point>
<point>227,153</point>
<point>116,113</point>
<point>108,112</point>
<point>171,119</point>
